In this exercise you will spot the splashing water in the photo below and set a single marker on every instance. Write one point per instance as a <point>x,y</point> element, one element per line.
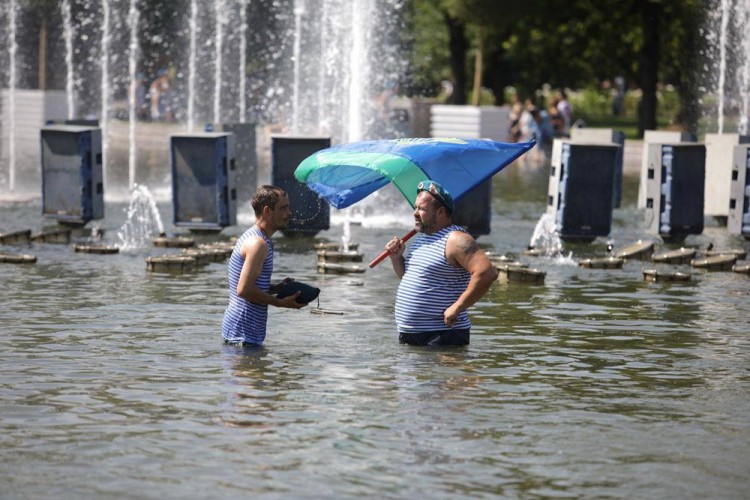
<point>104,61</point>
<point>722,61</point>
<point>192,64</point>
<point>142,222</point>
<point>299,10</point>
<point>346,238</point>
<point>12,50</point>
<point>545,238</point>
<point>69,77</point>
<point>132,65</point>
<point>729,35</point>
<point>243,57</point>
<point>220,12</point>
<point>742,20</point>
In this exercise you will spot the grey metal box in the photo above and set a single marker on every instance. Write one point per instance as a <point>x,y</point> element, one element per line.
<point>581,186</point>
<point>675,184</point>
<point>72,184</point>
<point>310,212</point>
<point>204,194</point>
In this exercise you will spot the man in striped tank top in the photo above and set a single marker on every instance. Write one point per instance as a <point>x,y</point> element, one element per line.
<point>250,268</point>
<point>443,274</point>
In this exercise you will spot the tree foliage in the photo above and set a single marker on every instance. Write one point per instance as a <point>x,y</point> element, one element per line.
<point>569,43</point>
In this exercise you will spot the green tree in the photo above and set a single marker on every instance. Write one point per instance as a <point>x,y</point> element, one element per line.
<point>572,43</point>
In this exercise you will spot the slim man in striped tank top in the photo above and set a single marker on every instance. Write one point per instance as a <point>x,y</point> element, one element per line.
<point>250,268</point>
<point>443,274</point>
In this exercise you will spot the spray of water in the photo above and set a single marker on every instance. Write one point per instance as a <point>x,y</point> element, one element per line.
<point>243,57</point>
<point>142,222</point>
<point>105,48</point>
<point>12,49</point>
<point>723,34</point>
<point>546,239</point>
<point>346,238</point>
<point>299,9</point>
<point>132,66</point>
<point>70,76</point>
<point>730,35</point>
<point>742,21</point>
<point>221,20</point>
<point>356,71</point>
<point>192,64</point>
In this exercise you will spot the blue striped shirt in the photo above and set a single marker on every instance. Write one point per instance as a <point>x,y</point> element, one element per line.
<point>245,321</point>
<point>430,285</point>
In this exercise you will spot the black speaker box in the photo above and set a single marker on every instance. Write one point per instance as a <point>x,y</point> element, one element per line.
<point>72,184</point>
<point>474,209</point>
<point>310,212</point>
<point>585,179</point>
<point>204,194</point>
<point>683,171</point>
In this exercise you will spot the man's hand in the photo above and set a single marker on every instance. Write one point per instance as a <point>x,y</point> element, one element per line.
<point>395,247</point>
<point>450,316</point>
<point>290,302</point>
<point>278,286</point>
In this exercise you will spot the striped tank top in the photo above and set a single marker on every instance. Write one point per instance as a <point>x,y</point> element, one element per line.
<point>430,285</point>
<point>245,321</point>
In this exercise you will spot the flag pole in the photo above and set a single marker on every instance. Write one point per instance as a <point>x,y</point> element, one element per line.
<point>377,260</point>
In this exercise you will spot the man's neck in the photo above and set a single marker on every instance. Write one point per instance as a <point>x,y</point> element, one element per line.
<point>439,228</point>
<point>265,228</point>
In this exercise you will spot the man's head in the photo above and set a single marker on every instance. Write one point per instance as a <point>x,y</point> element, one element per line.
<point>438,192</point>
<point>271,204</point>
<point>433,207</point>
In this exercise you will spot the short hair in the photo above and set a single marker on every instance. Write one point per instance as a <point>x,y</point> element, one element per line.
<point>266,196</point>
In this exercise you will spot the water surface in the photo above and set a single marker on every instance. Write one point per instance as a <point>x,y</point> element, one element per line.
<point>114,382</point>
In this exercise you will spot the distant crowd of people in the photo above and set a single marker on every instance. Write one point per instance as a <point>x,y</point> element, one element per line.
<point>528,122</point>
<point>157,102</point>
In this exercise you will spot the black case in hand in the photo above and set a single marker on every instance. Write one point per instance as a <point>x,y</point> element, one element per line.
<point>309,293</point>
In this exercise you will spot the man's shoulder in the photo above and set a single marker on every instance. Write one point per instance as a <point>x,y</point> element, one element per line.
<point>459,240</point>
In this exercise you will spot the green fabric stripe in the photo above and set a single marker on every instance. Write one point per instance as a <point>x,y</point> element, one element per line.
<point>404,174</point>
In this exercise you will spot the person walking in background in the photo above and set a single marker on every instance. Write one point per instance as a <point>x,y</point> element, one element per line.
<point>159,92</point>
<point>250,268</point>
<point>514,118</point>
<point>443,274</point>
<point>566,112</point>
<point>555,119</point>
<point>137,91</point>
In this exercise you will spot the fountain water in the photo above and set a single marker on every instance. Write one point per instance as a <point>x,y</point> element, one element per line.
<point>191,64</point>
<point>105,48</point>
<point>12,50</point>
<point>142,221</point>
<point>299,10</point>
<point>722,60</point>
<point>331,90</point>
<point>220,10</point>
<point>347,237</point>
<point>743,22</point>
<point>546,239</point>
<point>357,72</point>
<point>729,32</point>
<point>132,67</point>
<point>241,98</point>
<point>69,75</point>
